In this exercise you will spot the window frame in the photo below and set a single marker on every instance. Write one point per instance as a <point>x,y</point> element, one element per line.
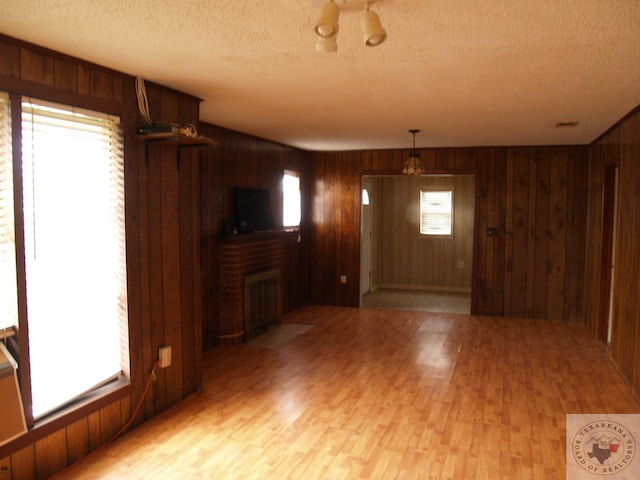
<point>436,188</point>
<point>108,393</point>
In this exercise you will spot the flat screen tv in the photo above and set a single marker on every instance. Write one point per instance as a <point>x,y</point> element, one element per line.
<point>252,209</point>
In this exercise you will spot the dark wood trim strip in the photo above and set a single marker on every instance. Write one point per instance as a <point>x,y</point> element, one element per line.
<point>46,92</point>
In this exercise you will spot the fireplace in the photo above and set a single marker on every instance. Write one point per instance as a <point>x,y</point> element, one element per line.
<point>261,302</point>
<point>250,285</point>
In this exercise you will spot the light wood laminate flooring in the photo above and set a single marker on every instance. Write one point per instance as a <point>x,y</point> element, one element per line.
<point>379,394</point>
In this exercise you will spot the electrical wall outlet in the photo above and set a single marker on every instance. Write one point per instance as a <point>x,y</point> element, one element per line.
<point>343,279</point>
<point>460,265</point>
<point>164,355</point>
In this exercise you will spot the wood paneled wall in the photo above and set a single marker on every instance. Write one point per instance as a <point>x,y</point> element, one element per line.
<point>621,146</point>
<point>402,258</point>
<point>243,160</point>
<point>533,196</point>
<point>162,225</point>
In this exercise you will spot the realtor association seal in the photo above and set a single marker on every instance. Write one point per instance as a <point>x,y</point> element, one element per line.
<point>604,447</point>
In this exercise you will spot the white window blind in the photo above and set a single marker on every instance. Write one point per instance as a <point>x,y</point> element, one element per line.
<point>73,194</point>
<point>291,199</point>
<point>8,292</point>
<point>436,212</point>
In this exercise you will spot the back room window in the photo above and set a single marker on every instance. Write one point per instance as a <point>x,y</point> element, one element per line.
<point>436,211</point>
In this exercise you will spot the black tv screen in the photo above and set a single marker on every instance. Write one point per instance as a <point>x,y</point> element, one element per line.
<point>252,209</point>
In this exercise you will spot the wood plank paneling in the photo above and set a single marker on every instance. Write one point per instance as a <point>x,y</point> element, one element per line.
<point>77,440</point>
<point>110,421</point>
<point>406,259</point>
<point>51,454</point>
<point>171,236</point>
<point>620,145</point>
<point>5,467</point>
<point>518,234</point>
<point>523,192</point>
<point>95,430</point>
<point>190,312</point>
<point>348,220</point>
<point>10,54</point>
<point>499,206</point>
<point>66,75</point>
<point>23,463</point>
<point>577,188</point>
<point>36,67</point>
<point>558,223</point>
<point>539,210</point>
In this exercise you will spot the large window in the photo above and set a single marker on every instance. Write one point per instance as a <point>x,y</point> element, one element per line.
<point>72,180</point>
<point>291,199</point>
<point>436,212</point>
<point>8,293</point>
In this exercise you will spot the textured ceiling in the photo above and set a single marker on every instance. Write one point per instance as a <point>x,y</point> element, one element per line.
<point>464,72</point>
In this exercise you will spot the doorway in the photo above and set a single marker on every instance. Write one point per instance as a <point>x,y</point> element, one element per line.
<point>607,260</point>
<point>404,268</point>
<point>365,238</point>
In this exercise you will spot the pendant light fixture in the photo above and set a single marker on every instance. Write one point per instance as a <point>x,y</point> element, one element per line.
<point>413,165</point>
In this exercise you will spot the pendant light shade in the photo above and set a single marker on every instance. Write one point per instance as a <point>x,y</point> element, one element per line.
<point>413,165</point>
<point>372,30</point>
<point>327,25</point>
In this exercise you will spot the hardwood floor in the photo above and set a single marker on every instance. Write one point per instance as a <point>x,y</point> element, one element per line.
<point>379,394</point>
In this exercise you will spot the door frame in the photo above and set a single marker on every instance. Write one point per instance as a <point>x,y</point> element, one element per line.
<point>607,253</point>
<point>364,177</point>
<point>366,227</point>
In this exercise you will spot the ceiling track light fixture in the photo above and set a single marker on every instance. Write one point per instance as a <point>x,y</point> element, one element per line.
<point>372,31</point>
<point>327,26</point>
<point>413,165</point>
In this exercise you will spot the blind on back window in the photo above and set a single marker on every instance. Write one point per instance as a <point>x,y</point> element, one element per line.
<point>436,212</point>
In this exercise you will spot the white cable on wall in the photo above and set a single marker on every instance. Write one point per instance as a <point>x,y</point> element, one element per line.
<point>143,104</point>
